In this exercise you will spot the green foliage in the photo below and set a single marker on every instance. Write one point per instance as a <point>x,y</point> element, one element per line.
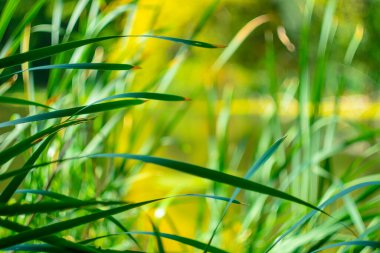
<point>66,181</point>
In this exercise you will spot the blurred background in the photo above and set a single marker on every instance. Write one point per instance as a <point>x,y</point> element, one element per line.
<point>313,78</point>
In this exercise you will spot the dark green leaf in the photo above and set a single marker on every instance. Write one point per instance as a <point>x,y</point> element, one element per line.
<point>16,181</point>
<point>372,244</point>
<point>44,52</point>
<point>323,205</point>
<point>184,240</point>
<point>213,175</point>
<point>23,145</point>
<point>18,101</point>
<point>98,66</point>
<point>46,207</point>
<point>74,111</point>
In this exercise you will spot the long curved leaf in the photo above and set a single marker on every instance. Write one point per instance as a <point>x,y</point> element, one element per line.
<point>248,175</point>
<point>47,207</point>
<point>74,111</point>
<point>213,175</point>
<point>202,172</point>
<point>97,106</point>
<point>61,197</point>
<point>12,186</point>
<point>48,230</point>
<point>44,52</point>
<point>372,244</point>
<point>323,205</point>
<point>51,239</point>
<point>184,240</point>
<point>44,231</point>
<point>19,101</point>
<point>23,145</point>
<point>98,66</point>
<point>54,249</point>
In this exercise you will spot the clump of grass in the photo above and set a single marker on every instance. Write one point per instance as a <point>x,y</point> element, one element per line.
<point>66,151</point>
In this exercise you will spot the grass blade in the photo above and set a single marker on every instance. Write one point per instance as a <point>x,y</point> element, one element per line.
<point>53,240</point>
<point>323,205</point>
<point>97,66</point>
<point>19,101</point>
<point>48,230</point>
<point>44,52</point>
<point>372,244</point>
<point>36,248</point>
<point>213,175</point>
<point>184,240</point>
<point>156,233</point>
<point>62,197</point>
<point>202,172</point>
<point>37,233</point>
<point>8,192</point>
<point>95,107</point>
<point>74,111</point>
<point>23,145</point>
<point>6,15</point>
<point>47,207</point>
<point>248,175</point>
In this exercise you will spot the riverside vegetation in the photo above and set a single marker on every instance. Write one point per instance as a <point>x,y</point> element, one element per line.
<point>69,166</point>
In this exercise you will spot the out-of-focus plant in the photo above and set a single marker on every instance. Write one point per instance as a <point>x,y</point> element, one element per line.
<point>69,168</point>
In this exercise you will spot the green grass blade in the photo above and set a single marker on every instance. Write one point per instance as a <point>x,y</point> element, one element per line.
<point>48,230</point>
<point>14,39</point>
<point>74,111</point>
<point>323,205</point>
<point>156,233</point>
<point>95,107</point>
<point>248,175</point>
<point>8,192</point>
<point>97,66</point>
<point>372,244</point>
<point>53,249</point>
<point>6,15</point>
<point>19,101</point>
<point>23,145</point>
<point>206,173</point>
<point>53,240</point>
<point>47,207</point>
<point>146,95</point>
<point>44,231</point>
<point>62,197</point>
<point>36,248</point>
<point>44,52</point>
<point>213,175</point>
<point>45,193</point>
<point>184,240</point>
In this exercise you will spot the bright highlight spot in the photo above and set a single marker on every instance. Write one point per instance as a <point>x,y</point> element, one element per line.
<point>159,212</point>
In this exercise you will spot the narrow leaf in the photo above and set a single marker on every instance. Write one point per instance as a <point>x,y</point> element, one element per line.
<point>12,186</point>
<point>53,240</point>
<point>19,101</point>
<point>47,207</point>
<point>372,244</point>
<point>23,145</point>
<point>184,240</point>
<point>44,52</point>
<point>323,205</point>
<point>74,111</point>
<point>248,175</point>
<point>48,230</point>
<point>213,175</point>
<point>98,66</point>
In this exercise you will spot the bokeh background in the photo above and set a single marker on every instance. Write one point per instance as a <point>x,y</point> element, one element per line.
<point>243,98</point>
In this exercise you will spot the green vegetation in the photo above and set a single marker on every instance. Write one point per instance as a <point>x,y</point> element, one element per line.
<point>98,154</point>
